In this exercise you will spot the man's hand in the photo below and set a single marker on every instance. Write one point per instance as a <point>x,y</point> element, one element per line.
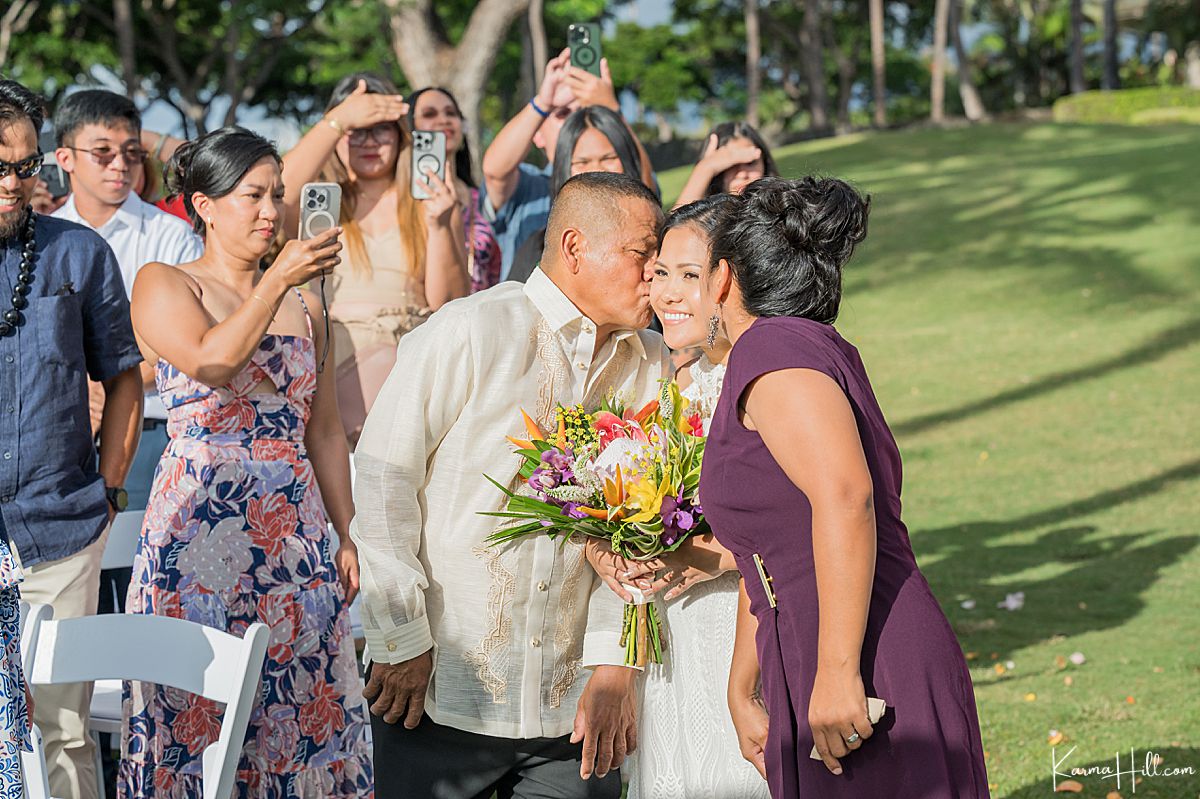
<point>591,90</point>
<point>606,721</point>
<point>397,690</point>
<point>554,93</point>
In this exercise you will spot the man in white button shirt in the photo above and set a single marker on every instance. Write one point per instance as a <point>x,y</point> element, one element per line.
<point>528,694</point>
<point>99,146</point>
<point>98,135</point>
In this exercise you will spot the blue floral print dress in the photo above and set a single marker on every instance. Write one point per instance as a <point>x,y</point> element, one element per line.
<point>235,533</point>
<point>14,712</point>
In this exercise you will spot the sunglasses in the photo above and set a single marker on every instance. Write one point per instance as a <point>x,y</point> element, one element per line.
<point>104,156</point>
<point>25,168</point>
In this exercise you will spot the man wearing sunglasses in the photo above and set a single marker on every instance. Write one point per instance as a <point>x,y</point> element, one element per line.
<point>64,316</point>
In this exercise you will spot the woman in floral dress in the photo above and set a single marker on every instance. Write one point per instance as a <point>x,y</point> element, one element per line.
<point>14,694</point>
<point>236,529</point>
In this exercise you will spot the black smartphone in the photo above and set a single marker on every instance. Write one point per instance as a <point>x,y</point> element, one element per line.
<point>583,39</point>
<point>52,174</point>
<point>428,155</point>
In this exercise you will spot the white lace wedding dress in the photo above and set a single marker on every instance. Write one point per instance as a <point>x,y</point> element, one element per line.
<point>687,746</point>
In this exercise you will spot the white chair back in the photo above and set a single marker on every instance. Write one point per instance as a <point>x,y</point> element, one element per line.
<point>122,540</point>
<point>165,651</point>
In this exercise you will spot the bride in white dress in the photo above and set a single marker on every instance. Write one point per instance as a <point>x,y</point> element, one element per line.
<point>687,745</point>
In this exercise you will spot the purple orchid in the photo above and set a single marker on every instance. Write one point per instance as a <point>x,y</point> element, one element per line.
<point>678,518</point>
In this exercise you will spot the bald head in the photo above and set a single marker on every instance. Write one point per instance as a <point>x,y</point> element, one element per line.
<point>600,240</point>
<point>595,204</point>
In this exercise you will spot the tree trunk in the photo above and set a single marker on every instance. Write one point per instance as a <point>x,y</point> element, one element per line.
<point>665,132</point>
<point>1191,57</point>
<point>937,88</point>
<point>878,63</point>
<point>1076,60</point>
<point>753,60</point>
<point>123,22</point>
<point>1112,76</point>
<point>539,50</point>
<point>814,67</point>
<point>428,58</point>
<point>972,104</point>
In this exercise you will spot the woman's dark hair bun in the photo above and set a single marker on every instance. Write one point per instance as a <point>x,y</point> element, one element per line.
<point>214,165</point>
<point>787,242</point>
<point>177,167</point>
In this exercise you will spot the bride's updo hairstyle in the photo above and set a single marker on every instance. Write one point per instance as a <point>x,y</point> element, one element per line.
<point>703,214</point>
<point>787,242</point>
<point>214,165</point>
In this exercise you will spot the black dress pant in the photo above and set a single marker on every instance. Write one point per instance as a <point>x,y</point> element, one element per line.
<point>447,763</point>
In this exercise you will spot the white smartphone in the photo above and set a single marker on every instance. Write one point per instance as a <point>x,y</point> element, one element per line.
<point>320,208</point>
<point>428,155</point>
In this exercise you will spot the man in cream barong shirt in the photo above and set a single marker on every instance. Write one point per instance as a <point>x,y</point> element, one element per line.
<point>523,641</point>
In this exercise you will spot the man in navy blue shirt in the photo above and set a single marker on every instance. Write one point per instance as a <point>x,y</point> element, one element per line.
<point>63,316</point>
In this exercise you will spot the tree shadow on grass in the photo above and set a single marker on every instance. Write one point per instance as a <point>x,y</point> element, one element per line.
<point>1107,574</point>
<point>1166,342</point>
<point>1156,782</point>
<point>945,201</point>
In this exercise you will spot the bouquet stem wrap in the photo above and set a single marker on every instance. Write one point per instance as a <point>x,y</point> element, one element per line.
<point>641,632</point>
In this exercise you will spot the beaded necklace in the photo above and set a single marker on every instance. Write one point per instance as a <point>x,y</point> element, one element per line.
<point>13,318</point>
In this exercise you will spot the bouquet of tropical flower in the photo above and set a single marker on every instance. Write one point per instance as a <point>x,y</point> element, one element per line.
<point>631,479</point>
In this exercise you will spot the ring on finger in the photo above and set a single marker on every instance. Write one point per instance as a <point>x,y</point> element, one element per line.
<point>854,738</point>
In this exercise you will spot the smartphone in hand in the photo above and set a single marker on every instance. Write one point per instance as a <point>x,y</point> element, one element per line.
<point>428,155</point>
<point>583,39</point>
<point>320,208</point>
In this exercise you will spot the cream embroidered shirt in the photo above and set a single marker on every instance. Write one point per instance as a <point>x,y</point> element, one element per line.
<point>511,627</point>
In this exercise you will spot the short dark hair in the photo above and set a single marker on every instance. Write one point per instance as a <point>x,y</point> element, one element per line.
<point>740,130</point>
<point>787,242</point>
<point>17,103</point>
<point>213,165</point>
<point>93,107</point>
<point>705,214</point>
<point>591,198</point>
<point>609,123</point>
<point>462,159</point>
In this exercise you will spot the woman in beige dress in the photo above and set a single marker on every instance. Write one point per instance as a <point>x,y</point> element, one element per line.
<point>406,257</point>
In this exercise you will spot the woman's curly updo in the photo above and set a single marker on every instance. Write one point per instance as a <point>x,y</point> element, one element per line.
<point>214,165</point>
<point>787,242</point>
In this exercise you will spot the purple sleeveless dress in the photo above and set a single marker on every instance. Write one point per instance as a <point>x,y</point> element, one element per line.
<point>928,743</point>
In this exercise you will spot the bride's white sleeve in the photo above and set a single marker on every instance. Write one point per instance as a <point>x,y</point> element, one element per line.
<point>417,405</point>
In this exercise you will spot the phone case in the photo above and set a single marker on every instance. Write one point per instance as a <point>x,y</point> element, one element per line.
<point>428,153</point>
<point>875,710</point>
<point>583,39</point>
<point>320,208</point>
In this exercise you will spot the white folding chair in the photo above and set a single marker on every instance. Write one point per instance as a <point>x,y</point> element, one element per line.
<point>33,764</point>
<point>166,651</point>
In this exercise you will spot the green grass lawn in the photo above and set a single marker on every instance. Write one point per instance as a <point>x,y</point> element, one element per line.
<point>1028,305</point>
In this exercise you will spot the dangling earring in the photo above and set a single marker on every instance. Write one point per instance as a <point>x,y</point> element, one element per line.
<point>714,326</point>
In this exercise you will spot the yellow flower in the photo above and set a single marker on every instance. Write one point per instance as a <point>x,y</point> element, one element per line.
<point>647,498</point>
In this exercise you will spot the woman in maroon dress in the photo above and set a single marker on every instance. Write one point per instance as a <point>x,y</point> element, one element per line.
<point>802,482</point>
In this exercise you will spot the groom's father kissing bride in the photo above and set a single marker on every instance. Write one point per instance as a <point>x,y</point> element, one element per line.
<point>499,668</point>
